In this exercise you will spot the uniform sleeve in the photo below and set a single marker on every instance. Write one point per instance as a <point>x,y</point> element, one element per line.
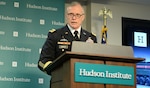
<point>94,38</point>
<point>47,53</point>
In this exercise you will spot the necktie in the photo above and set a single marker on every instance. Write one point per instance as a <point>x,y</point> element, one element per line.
<point>76,38</point>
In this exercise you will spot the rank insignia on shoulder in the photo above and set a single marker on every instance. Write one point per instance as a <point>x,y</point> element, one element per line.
<point>93,34</point>
<point>52,30</point>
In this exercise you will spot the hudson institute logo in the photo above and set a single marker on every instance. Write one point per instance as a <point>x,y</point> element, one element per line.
<point>14,64</point>
<point>16,4</point>
<point>140,39</point>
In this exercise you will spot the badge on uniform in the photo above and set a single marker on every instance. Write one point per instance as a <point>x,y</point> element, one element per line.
<point>63,44</point>
<point>52,30</point>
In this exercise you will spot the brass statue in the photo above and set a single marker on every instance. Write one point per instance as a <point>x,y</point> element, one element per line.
<point>105,12</point>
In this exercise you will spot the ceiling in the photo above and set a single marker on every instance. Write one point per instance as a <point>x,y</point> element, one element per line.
<point>137,1</point>
<point>84,2</point>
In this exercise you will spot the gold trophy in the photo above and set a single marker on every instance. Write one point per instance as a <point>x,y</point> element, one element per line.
<point>104,12</point>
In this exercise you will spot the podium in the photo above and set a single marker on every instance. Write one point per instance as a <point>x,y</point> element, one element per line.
<point>62,69</point>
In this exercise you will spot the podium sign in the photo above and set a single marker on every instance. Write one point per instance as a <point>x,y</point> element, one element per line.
<point>95,66</point>
<point>104,74</point>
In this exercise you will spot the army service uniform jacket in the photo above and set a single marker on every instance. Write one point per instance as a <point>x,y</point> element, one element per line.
<point>55,45</point>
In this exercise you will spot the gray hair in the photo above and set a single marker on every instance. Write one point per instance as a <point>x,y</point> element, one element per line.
<point>74,3</point>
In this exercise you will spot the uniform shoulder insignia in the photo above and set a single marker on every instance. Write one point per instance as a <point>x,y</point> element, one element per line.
<point>52,30</point>
<point>93,34</point>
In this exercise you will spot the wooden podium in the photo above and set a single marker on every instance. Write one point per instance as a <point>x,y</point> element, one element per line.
<point>62,69</point>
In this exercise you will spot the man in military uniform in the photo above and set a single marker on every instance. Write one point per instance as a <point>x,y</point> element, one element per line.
<point>59,40</point>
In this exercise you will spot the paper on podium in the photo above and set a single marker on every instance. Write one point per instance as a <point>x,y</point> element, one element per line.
<point>96,48</point>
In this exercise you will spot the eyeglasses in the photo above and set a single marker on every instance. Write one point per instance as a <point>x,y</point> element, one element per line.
<point>74,15</point>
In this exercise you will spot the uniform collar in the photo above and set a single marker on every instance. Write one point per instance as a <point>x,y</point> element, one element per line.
<point>73,30</point>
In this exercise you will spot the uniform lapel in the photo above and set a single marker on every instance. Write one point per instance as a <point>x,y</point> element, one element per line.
<point>67,34</point>
<point>83,35</point>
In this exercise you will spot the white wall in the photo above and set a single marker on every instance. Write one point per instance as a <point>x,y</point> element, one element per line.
<point>94,23</point>
<point>114,25</point>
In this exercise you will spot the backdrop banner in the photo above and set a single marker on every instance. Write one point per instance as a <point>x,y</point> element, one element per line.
<point>24,25</point>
